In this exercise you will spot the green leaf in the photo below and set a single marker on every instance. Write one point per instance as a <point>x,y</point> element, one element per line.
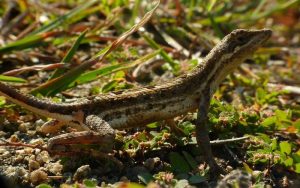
<point>265,137</point>
<point>247,168</point>
<point>153,125</point>
<point>285,147</point>
<point>289,162</point>
<point>296,156</point>
<point>260,95</point>
<point>269,121</point>
<point>210,5</point>
<point>90,183</point>
<point>197,179</point>
<point>274,144</point>
<point>297,125</point>
<point>281,115</point>
<point>43,185</point>
<point>178,163</point>
<point>297,168</point>
<point>190,159</point>
<point>12,79</point>
<point>109,86</point>
<point>145,177</point>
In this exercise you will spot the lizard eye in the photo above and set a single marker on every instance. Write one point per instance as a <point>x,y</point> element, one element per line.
<point>242,40</point>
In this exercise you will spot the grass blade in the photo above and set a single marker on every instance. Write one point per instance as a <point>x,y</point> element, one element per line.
<point>69,55</point>
<point>61,83</point>
<point>12,79</point>
<point>60,20</point>
<point>163,53</point>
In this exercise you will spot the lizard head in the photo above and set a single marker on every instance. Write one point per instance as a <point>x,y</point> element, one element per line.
<point>242,43</point>
<point>233,49</point>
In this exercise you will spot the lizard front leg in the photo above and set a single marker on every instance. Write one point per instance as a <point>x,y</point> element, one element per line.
<point>202,134</point>
<point>100,133</point>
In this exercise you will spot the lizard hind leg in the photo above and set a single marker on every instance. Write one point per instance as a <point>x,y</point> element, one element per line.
<point>100,133</point>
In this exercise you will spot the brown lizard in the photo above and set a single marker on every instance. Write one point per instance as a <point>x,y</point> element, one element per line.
<point>98,116</point>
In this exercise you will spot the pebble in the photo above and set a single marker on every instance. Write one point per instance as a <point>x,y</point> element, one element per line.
<point>13,138</point>
<point>38,176</point>
<point>257,173</point>
<point>28,150</point>
<point>150,163</point>
<point>55,168</point>
<point>23,127</point>
<point>229,168</point>
<point>15,173</point>
<point>6,154</point>
<point>33,165</point>
<point>43,157</point>
<point>18,159</point>
<point>82,172</point>
<point>39,122</point>
<point>2,150</point>
<point>37,141</point>
<point>124,179</point>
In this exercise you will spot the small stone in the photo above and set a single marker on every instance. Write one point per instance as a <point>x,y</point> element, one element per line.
<point>124,179</point>
<point>15,173</point>
<point>135,171</point>
<point>55,168</point>
<point>28,150</point>
<point>236,178</point>
<point>18,159</point>
<point>257,173</point>
<point>13,138</point>
<point>22,127</point>
<point>39,122</point>
<point>31,132</point>
<point>3,150</point>
<point>20,151</point>
<point>43,157</point>
<point>37,141</point>
<point>38,176</point>
<point>82,172</point>
<point>6,154</point>
<point>27,117</point>
<point>33,165</point>
<point>150,163</point>
<point>229,168</point>
<point>32,157</point>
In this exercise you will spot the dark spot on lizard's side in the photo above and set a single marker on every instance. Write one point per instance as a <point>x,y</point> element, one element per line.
<point>75,122</point>
<point>149,106</point>
<point>127,111</point>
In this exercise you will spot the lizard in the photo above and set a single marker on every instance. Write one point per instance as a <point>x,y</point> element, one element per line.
<point>96,117</point>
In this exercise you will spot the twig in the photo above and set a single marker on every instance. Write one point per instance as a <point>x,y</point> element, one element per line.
<point>219,142</point>
<point>20,144</point>
<point>290,89</point>
<point>34,67</point>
